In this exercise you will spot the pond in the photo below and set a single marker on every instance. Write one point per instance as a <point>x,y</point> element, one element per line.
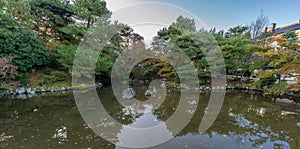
<point>53,121</point>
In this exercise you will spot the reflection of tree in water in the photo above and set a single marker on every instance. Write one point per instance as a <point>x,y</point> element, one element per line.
<point>256,121</point>
<point>115,110</point>
<point>243,119</point>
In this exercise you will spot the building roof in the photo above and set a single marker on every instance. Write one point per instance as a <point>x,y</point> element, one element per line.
<point>287,28</point>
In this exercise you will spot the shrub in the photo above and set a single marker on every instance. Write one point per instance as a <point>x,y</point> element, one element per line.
<point>41,82</point>
<point>270,80</point>
<point>3,87</point>
<point>60,76</point>
<point>47,71</point>
<point>23,77</point>
<point>28,50</point>
<point>65,55</point>
<point>7,70</point>
<point>278,89</point>
<point>49,79</point>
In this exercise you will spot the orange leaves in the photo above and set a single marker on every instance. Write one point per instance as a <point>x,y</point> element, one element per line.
<point>292,67</point>
<point>282,41</point>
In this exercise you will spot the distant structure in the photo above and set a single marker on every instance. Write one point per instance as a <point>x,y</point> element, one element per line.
<point>277,32</point>
<point>283,29</point>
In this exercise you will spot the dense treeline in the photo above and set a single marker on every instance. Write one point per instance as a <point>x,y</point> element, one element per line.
<point>45,34</point>
<point>251,58</point>
<point>39,34</point>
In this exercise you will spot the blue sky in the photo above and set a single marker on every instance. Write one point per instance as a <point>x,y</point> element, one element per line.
<point>224,14</point>
<point>219,14</point>
<point>227,13</point>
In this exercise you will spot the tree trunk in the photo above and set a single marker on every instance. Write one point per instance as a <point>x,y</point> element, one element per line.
<point>89,23</point>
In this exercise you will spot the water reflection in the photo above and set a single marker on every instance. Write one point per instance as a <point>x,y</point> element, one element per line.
<point>61,134</point>
<point>3,140</point>
<point>244,122</point>
<point>144,134</point>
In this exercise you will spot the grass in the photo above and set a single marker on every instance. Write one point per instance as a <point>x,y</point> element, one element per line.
<point>277,89</point>
<point>49,77</point>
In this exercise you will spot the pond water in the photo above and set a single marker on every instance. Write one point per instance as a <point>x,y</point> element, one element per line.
<point>245,121</point>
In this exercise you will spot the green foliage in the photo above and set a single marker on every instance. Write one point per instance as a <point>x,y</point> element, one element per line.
<point>277,89</point>
<point>55,77</point>
<point>88,11</point>
<point>82,86</point>
<point>20,10</point>
<point>291,36</point>
<point>183,35</point>
<point>7,21</point>
<point>177,80</point>
<point>258,63</point>
<point>278,61</point>
<point>73,33</point>
<point>65,55</point>
<point>41,82</point>
<point>258,48</point>
<point>61,76</point>
<point>42,33</point>
<point>24,23</point>
<point>200,46</point>
<point>105,61</point>
<point>23,77</point>
<point>88,53</point>
<point>237,31</point>
<point>184,25</point>
<point>293,66</point>
<point>50,16</point>
<point>235,52</point>
<point>267,81</point>
<point>28,50</point>
<point>49,79</point>
<point>3,87</point>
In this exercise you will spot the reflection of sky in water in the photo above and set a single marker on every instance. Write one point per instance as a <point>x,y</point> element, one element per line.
<point>261,137</point>
<point>241,124</point>
<point>3,139</point>
<point>146,120</point>
<point>216,140</point>
<point>144,131</point>
<point>61,134</point>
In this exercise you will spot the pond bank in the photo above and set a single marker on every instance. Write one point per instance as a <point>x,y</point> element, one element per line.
<point>23,93</point>
<point>289,97</point>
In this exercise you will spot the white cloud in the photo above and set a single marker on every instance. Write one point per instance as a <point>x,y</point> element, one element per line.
<point>114,5</point>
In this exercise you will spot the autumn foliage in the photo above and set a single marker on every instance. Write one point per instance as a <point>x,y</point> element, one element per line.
<point>7,70</point>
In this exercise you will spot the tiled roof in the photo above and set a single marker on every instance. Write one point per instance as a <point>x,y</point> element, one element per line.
<point>287,28</point>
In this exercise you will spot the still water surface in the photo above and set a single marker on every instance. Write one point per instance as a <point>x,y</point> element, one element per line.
<point>245,121</point>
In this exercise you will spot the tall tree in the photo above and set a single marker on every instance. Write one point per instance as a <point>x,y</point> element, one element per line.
<point>7,22</point>
<point>199,46</point>
<point>29,51</point>
<point>234,50</point>
<point>20,10</point>
<point>49,17</point>
<point>256,27</point>
<point>88,11</point>
<point>237,31</point>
